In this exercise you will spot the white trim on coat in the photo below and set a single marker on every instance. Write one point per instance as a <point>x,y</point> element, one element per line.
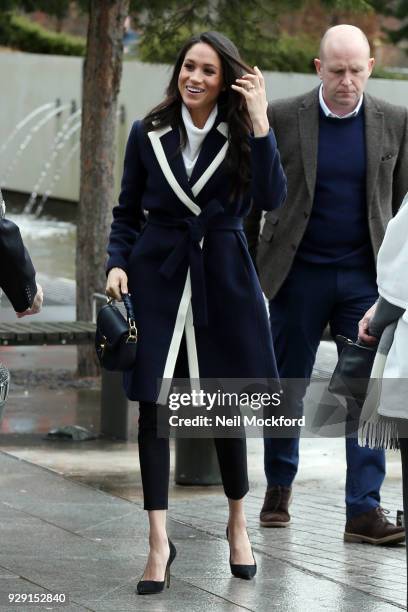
<point>218,159</point>
<point>165,167</point>
<point>184,319</point>
<point>185,304</point>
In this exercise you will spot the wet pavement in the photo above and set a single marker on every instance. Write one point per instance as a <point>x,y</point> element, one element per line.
<point>71,518</point>
<point>91,546</point>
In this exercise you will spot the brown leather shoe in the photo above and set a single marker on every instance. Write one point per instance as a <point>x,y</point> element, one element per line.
<point>373,527</point>
<point>275,510</point>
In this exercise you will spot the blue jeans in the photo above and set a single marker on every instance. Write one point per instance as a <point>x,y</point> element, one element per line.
<point>312,296</point>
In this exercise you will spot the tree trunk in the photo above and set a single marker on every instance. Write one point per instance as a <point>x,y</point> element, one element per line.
<point>101,82</point>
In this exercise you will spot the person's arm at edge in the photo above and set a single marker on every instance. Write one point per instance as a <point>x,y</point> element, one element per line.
<point>17,274</point>
<point>269,184</point>
<point>252,223</point>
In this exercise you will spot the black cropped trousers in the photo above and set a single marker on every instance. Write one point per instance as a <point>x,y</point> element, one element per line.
<point>154,456</point>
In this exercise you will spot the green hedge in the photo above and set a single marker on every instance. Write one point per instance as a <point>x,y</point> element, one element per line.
<point>19,33</point>
<point>283,54</point>
<point>292,54</point>
<point>383,73</point>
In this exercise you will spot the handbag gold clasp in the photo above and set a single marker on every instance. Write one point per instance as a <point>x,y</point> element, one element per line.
<point>132,337</point>
<point>102,345</point>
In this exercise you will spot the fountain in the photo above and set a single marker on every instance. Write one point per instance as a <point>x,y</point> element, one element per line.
<point>23,123</point>
<point>23,146</point>
<point>57,175</point>
<point>60,140</point>
<point>51,242</point>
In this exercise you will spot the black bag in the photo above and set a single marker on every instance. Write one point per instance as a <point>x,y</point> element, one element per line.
<point>353,370</point>
<point>116,338</point>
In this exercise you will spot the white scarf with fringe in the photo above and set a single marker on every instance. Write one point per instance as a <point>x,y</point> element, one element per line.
<point>387,397</point>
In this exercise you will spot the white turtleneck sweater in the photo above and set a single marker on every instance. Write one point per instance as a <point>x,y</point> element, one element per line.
<point>195,137</point>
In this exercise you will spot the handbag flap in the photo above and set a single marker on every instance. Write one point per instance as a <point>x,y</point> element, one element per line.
<point>111,324</point>
<point>352,372</point>
<point>356,361</point>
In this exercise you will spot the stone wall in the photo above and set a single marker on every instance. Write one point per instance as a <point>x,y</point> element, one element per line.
<point>28,81</point>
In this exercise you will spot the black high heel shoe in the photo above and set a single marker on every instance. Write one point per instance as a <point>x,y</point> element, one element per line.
<point>151,587</point>
<point>246,572</point>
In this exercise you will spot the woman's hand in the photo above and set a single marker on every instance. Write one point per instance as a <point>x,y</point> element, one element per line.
<point>116,283</point>
<point>252,88</point>
<point>363,327</point>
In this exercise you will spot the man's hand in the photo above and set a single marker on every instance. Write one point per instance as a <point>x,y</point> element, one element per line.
<point>363,326</point>
<point>36,305</point>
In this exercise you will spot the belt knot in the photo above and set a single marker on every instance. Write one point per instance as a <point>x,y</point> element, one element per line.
<point>188,248</point>
<point>196,228</point>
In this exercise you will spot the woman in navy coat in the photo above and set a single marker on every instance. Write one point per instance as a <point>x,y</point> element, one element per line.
<point>193,167</point>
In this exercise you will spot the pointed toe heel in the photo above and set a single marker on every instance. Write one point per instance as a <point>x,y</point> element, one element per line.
<point>151,587</point>
<point>245,572</point>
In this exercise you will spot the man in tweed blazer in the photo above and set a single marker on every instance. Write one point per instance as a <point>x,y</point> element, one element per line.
<point>345,154</point>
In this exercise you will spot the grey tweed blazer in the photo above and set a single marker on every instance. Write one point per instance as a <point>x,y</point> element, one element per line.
<point>295,122</point>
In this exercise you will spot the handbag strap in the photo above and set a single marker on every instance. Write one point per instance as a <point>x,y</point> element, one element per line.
<point>130,316</point>
<point>129,306</point>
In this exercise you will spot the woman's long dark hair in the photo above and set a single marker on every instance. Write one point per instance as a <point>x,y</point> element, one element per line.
<point>230,103</point>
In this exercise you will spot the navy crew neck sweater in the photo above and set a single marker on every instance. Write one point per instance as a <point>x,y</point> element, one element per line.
<point>337,231</point>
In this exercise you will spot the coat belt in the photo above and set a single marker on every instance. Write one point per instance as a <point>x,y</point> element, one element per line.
<point>212,218</point>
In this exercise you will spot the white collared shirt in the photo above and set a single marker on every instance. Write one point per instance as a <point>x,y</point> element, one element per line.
<point>329,113</point>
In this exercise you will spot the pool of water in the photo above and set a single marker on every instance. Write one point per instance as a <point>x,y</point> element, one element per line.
<point>50,238</point>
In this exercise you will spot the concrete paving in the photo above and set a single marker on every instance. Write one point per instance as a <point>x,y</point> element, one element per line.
<point>61,536</point>
<point>71,518</point>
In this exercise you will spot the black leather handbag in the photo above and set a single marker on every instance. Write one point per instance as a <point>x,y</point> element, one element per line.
<point>116,337</point>
<point>353,370</point>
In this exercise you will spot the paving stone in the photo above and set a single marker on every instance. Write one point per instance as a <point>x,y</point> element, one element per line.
<point>63,536</point>
<point>313,545</point>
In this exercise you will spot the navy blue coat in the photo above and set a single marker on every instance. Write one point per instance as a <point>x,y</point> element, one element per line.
<point>17,274</point>
<point>187,260</point>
